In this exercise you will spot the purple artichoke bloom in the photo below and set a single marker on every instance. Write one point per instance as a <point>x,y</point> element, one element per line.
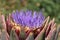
<point>28,18</point>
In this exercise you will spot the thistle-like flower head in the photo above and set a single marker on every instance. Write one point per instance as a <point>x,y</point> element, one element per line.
<point>28,18</point>
<point>18,26</point>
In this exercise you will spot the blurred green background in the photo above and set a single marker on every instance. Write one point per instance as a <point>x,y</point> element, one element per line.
<point>49,7</point>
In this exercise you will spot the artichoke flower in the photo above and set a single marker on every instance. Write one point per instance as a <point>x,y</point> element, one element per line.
<point>28,25</point>
<point>28,18</point>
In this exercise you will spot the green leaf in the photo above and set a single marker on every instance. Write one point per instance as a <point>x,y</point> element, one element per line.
<point>13,35</point>
<point>22,35</point>
<point>30,37</point>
